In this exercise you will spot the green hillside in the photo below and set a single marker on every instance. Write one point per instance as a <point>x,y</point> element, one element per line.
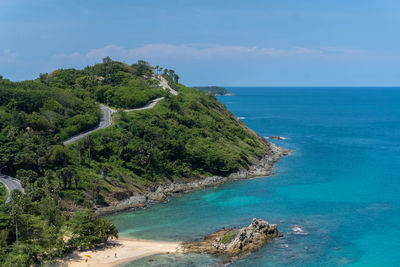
<point>190,135</point>
<point>187,136</point>
<point>216,90</point>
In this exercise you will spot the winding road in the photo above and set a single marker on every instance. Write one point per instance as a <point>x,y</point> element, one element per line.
<point>106,113</point>
<point>10,184</point>
<point>151,104</point>
<point>105,121</point>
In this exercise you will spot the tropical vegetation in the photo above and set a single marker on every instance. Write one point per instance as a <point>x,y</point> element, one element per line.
<point>215,90</point>
<point>3,193</point>
<point>187,136</point>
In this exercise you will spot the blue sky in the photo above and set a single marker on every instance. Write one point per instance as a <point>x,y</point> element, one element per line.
<point>232,43</point>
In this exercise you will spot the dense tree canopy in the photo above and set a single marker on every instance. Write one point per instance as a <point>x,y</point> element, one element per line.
<point>215,90</point>
<point>184,136</point>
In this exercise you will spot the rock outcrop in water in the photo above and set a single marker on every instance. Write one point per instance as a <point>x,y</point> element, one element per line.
<point>235,242</point>
<point>277,137</point>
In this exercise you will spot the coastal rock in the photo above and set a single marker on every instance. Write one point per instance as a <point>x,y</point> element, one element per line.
<point>235,242</point>
<point>262,167</point>
<point>137,202</point>
<point>137,199</point>
<point>277,137</point>
<point>159,195</point>
<point>121,195</point>
<point>252,237</point>
<point>174,188</point>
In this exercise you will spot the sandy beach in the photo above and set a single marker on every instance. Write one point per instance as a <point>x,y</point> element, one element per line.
<point>119,252</point>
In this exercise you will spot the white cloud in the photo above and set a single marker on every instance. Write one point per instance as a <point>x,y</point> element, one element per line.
<point>157,52</point>
<point>190,52</point>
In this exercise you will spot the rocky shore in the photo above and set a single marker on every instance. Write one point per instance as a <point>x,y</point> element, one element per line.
<point>262,167</point>
<point>228,245</point>
<point>233,243</point>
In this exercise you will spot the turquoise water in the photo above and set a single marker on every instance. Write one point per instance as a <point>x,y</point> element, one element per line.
<point>341,184</point>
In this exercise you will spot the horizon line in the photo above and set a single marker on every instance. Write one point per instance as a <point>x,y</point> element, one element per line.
<point>301,86</point>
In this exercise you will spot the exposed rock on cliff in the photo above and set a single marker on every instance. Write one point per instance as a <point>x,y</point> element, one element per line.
<point>262,167</point>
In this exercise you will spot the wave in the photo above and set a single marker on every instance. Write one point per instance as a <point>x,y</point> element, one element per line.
<point>276,137</point>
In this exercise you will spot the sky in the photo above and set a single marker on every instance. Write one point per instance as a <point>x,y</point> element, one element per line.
<point>209,42</point>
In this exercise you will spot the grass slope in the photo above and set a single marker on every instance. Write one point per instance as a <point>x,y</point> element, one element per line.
<point>191,135</point>
<point>187,136</point>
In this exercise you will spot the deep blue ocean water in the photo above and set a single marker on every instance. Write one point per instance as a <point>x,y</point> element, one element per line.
<point>341,183</point>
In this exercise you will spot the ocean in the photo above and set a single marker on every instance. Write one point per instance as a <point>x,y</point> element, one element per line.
<point>341,183</point>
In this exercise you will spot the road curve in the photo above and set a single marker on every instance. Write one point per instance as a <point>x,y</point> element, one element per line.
<point>105,121</point>
<point>149,105</point>
<point>10,184</point>
<point>106,112</point>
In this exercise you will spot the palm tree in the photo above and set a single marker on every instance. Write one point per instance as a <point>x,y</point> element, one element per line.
<point>81,147</point>
<point>17,208</point>
<point>176,77</point>
<point>62,178</point>
<point>171,73</point>
<point>90,145</point>
<point>157,69</point>
<point>69,173</point>
<point>107,230</point>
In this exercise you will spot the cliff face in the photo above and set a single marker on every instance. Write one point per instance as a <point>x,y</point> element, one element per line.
<point>262,167</point>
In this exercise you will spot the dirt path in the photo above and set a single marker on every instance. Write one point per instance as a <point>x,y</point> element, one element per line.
<point>164,84</point>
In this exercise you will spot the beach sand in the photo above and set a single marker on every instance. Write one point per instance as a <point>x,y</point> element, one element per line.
<point>119,252</point>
